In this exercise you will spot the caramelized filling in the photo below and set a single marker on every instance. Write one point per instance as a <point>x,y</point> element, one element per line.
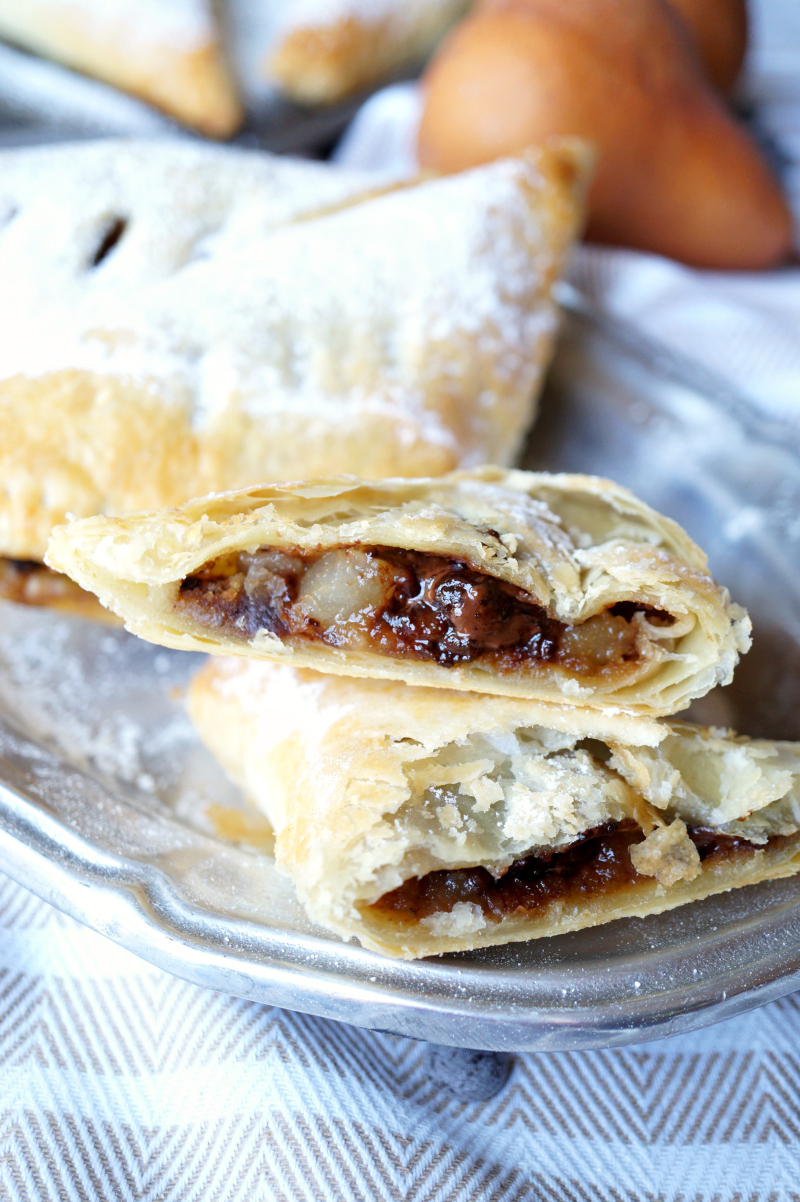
<point>596,863</point>
<point>398,602</point>
<point>28,582</point>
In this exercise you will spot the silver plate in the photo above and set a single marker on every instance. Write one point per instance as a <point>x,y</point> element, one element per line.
<point>104,789</point>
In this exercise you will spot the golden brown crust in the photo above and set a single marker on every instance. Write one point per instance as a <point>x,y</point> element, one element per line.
<point>323,62</point>
<point>575,545</point>
<point>91,444</point>
<point>86,442</point>
<point>176,65</point>
<point>369,784</point>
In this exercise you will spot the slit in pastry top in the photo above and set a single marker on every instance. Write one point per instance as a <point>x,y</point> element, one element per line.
<point>549,587</point>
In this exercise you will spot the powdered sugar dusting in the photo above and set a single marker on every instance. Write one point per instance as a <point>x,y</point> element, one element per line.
<point>218,296</point>
<point>112,704</point>
<point>287,702</point>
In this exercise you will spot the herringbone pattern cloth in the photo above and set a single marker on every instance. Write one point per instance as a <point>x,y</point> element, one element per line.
<point>120,1082</point>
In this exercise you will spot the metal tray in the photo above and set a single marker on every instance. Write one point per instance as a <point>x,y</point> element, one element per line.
<point>104,789</point>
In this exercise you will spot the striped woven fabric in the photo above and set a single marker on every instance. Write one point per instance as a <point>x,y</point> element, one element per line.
<point>120,1082</point>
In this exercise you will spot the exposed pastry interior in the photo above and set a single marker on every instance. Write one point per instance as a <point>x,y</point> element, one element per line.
<point>423,822</point>
<point>548,586</point>
<point>326,49</point>
<point>394,602</point>
<point>180,319</point>
<point>167,52</point>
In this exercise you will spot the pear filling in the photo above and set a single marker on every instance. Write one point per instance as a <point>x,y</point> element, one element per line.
<point>598,862</point>
<point>395,602</point>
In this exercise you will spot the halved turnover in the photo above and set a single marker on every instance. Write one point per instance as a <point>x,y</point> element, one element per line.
<point>554,587</point>
<point>423,822</point>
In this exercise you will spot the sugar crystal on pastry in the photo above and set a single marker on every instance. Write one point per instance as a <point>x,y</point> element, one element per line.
<point>423,822</point>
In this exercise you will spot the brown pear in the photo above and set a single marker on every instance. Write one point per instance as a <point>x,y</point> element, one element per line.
<point>677,174</point>
<point>719,28</point>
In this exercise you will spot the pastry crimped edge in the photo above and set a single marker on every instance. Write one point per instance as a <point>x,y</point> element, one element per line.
<point>136,564</point>
<point>330,761</point>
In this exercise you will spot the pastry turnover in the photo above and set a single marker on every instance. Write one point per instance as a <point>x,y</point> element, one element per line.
<point>167,52</point>
<point>326,49</point>
<point>424,822</point>
<point>179,319</point>
<point>552,587</point>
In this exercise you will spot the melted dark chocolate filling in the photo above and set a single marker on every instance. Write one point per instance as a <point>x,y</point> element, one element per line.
<point>596,863</point>
<point>437,607</point>
<point>446,611</point>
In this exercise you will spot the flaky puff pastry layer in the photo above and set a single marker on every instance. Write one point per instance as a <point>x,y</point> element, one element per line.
<point>371,783</point>
<point>180,319</point>
<point>576,545</point>
<point>167,52</point>
<point>326,50</point>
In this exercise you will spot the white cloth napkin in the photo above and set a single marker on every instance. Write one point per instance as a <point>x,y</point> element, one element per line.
<point>743,326</point>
